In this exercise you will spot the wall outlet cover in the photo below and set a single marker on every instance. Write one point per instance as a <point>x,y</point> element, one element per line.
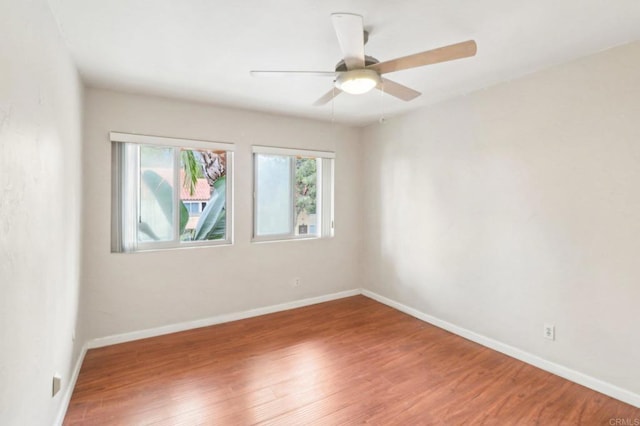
<point>550,331</point>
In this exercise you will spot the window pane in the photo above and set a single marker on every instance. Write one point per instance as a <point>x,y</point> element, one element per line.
<point>156,194</point>
<point>306,196</point>
<point>203,198</point>
<point>273,195</point>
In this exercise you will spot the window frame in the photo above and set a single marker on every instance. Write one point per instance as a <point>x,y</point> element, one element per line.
<point>124,238</point>
<point>325,193</point>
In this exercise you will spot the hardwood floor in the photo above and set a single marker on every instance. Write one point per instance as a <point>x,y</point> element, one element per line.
<point>348,361</point>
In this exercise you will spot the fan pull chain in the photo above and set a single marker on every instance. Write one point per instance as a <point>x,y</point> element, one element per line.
<point>333,103</point>
<point>382,119</point>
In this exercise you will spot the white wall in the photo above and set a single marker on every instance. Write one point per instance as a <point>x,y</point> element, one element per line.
<point>40,202</point>
<point>132,292</point>
<point>519,205</point>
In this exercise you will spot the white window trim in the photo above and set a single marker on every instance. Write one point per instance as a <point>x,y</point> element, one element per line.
<point>292,152</point>
<point>173,142</point>
<point>121,203</point>
<point>325,191</point>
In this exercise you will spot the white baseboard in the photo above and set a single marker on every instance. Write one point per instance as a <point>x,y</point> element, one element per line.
<point>557,369</point>
<point>218,319</point>
<point>66,399</point>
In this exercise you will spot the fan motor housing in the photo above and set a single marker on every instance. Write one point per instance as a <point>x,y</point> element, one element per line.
<point>368,60</point>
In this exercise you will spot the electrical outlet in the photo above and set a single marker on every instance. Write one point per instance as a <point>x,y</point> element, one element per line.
<point>296,282</point>
<point>550,331</point>
<point>55,386</point>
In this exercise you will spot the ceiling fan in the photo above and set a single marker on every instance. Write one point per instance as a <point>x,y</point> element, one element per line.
<point>358,73</point>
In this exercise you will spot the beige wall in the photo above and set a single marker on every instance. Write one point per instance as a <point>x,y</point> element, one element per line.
<point>40,201</point>
<point>133,292</point>
<point>519,205</point>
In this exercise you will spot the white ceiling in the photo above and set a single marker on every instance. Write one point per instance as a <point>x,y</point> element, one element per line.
<point>203,50</point>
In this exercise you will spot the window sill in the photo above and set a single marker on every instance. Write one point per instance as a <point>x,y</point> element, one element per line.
<point>202,245</point>
<point>285,239</point>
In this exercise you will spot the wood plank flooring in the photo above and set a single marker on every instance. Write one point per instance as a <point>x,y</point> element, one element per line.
<point>349,361</point>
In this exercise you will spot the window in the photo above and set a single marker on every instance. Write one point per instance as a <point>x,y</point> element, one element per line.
<point>170,193</point>
<point>194,208</point>
<point>293,194</point>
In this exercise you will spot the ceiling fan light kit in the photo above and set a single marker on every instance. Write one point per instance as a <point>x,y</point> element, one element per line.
<point>357,73</point>
<point>357,82</point>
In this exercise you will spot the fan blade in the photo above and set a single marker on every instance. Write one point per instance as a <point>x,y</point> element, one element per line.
<point>350,32</point>
<point>293,73</point>
<point>327,96</point>
<point>442,54</point>
<point>398,90</point>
